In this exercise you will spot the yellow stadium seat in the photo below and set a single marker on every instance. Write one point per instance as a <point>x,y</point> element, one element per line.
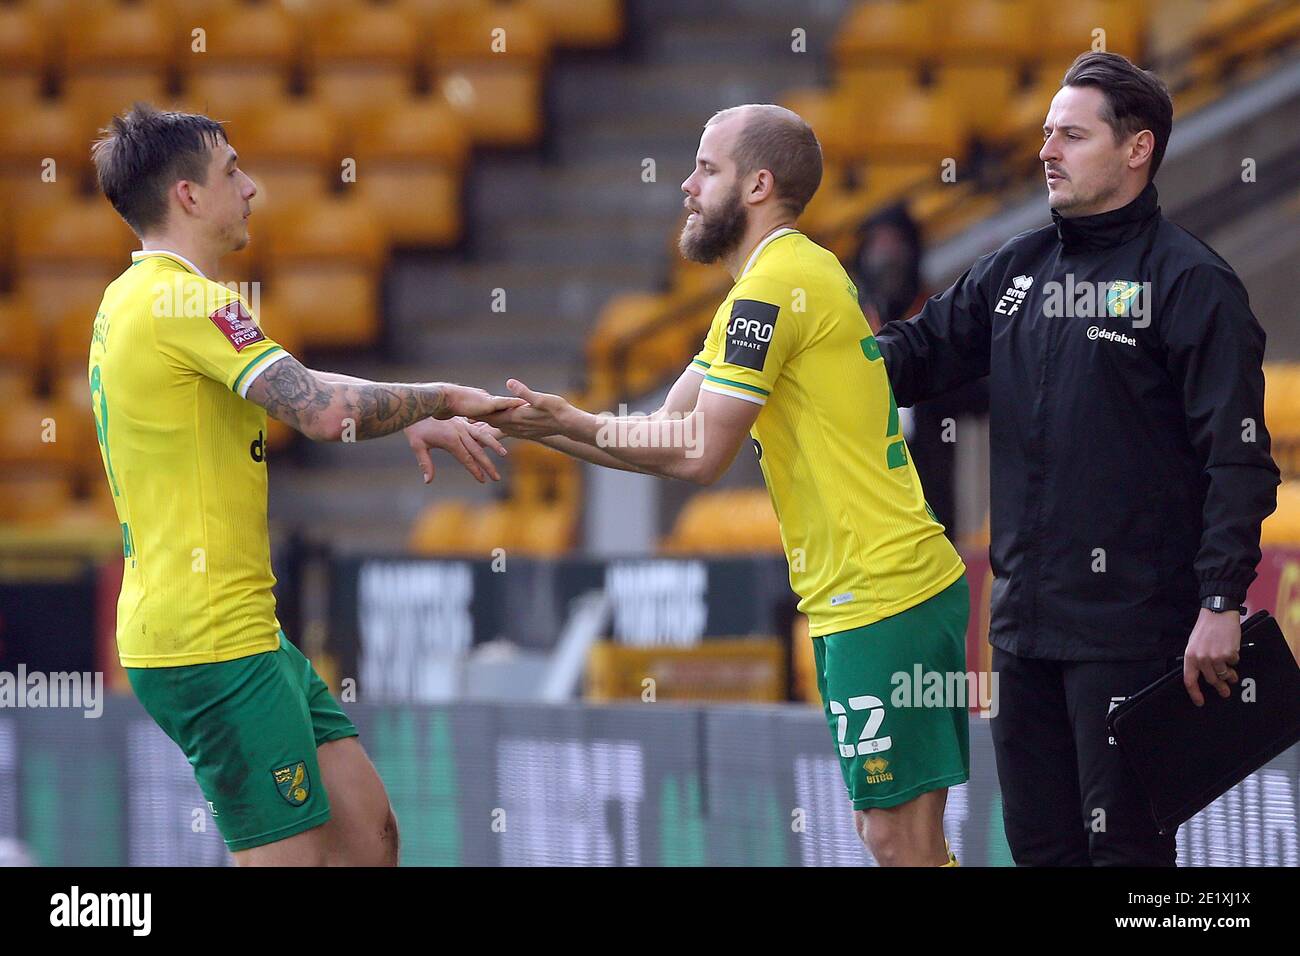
<point>1273,28</point>
<point>290,148</point>
<point>831,119</point>
<point>696,278</point>
<point>442,528</point>
<point>409,161</point>
<point>33,499</point>
<point>323,265</point>
<point>548,531</point>
<point>1282,527</point>
<point>247,62</point>
<point>982,92</point>
<point>1220,22</point>
<point>878,185</point>
<point>433,16</point>
<point>362,56</point>
<point>819,214</point>
<point>1022,126</point>
<point>732,521</point>
<point>70,337</point>
<point>232,104</point>
<point>921,125</point>
<point>665,330</point>
<point>24,45</point>
<point>1282,400</point>
<point>21,335</point>
<point>625,313</point>
<point>117,54</point>
<point>488,64</point>
<point>886,30</point>
<point>496,525</point>
<point>44,152</point>
<point>943,209</point>
<point>595,23</point>
<point>541,477</point>
<point>881,81</point>
<point>41,435</point>
<point>84,230</point>
<point>245,265</point>
<point>339,305</point>
<point>65,254</point>
<point>17,382</point>
<point>71,386</point>
<point>1064,30</point>
<point>71,395</point>
<point>990,31</point>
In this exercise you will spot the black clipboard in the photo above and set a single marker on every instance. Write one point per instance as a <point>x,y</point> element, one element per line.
<point>1185,756</point>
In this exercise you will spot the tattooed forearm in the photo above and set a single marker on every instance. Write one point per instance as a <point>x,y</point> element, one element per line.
<point>292,394</point>
<point>378,409</point>
<point>354,410</point>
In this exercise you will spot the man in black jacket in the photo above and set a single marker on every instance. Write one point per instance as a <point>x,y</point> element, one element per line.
<point>1130,463</point>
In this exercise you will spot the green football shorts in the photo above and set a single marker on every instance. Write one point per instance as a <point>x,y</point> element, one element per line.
<point>896,742</point>
<point>250,728</point>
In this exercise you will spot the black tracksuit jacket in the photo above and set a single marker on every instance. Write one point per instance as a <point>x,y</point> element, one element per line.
<point>1131,468</point>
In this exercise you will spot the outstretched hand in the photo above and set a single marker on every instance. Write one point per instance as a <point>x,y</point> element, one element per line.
<point>543,415</point>
<point>475,402</point>
<point>464,440</point>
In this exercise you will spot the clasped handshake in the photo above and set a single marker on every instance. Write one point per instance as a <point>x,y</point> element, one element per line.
<point>479,420</point>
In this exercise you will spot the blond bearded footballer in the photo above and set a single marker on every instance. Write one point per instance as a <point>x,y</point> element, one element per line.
<point>182,378</point>
<point>791,361</point>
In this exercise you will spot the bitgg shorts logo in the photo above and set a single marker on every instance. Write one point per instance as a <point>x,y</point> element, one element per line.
<point>293,783</point>
<point>237,325</point>
<point>749,333</point>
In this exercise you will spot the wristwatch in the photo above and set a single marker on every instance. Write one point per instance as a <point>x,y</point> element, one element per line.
<point>1218,604</point>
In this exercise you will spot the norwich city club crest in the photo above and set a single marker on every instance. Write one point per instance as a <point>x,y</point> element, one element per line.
<point>293,783</point>
<point>1120,296</point>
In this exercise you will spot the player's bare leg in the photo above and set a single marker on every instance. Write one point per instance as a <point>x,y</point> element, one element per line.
<point>362,829</point>
<point>302,849</point>
<point>910,834</point>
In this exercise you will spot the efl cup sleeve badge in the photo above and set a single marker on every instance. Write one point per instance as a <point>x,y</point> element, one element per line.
<point>237,325</point>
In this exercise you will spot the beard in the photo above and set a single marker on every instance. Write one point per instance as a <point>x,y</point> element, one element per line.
<point>1081,202</point>
<point>716,232</point>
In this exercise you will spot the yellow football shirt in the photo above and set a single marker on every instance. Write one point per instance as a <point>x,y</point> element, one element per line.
<point>172,354</point>
<point>861,542</point>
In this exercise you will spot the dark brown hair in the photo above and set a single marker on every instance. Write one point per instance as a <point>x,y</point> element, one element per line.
<point>778,140</point>
<point>142,152</point>
<point>1136,99</point>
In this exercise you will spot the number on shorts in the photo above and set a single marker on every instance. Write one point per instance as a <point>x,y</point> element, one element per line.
<point>868,742</point>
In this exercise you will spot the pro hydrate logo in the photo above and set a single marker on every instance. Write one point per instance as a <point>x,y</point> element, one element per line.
<point>749,333</point>
<point>75,909</point>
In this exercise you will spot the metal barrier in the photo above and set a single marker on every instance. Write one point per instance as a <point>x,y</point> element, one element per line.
<point>504,784</point>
